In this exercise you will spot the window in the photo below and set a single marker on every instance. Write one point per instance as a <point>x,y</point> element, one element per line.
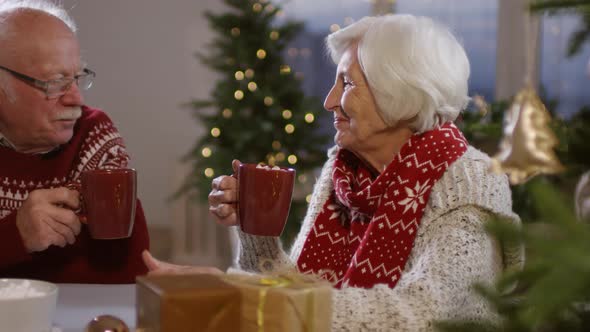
<point>473,22</point>
<point>565,79</point>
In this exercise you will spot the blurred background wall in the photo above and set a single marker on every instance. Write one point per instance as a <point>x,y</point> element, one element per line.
<point>143,54</point>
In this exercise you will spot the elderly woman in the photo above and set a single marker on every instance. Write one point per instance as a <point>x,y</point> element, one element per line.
<point>396,219</point>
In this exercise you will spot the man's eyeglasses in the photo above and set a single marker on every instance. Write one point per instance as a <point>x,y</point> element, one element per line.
<point>59,87</point>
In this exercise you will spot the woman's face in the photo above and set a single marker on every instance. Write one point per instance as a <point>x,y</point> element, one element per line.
<point>358,125</point>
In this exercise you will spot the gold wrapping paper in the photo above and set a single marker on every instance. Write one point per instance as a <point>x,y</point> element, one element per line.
<point>232,302</point>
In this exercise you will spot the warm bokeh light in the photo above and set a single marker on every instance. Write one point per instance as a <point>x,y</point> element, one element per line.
<point>309,118</point>
<point>206,152</point>
<point>209,172</point>
<point>270,160</point>
<point>302,178</point>
<point>285,69</point>
<point>289,129</point>
<point>280,157</point>
<point>249,73</point>
<point>268,101</point>
<point>257,7</point>
<point>239,94</point>
<point>274,35</point>
<point>252,86</point>
<point>226,113</point>
<point>276,145</point>
<point>235,31</point>
<point>308,198</point>
<point>287,114</point>
<point>239,75</point>
<point>261,54</point>
<point>215,132</point>
<point>292,159</point>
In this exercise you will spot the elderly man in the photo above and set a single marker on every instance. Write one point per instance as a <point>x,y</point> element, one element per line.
<point>47,138</point>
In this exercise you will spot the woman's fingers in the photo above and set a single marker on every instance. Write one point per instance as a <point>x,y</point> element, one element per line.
<point>224,214</point>
<point>149,261</point>
<point>235,164</point>
<point>217,197</point>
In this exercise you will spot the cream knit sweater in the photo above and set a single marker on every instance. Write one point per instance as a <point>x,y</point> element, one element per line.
<point>451,252</point>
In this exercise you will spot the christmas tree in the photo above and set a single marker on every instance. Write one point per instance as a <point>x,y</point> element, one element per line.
<point>257,112</point>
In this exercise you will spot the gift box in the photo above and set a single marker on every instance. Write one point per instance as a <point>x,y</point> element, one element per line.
<point>232,302</point>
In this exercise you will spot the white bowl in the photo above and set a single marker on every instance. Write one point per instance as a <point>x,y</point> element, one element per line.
<point>27,305</point>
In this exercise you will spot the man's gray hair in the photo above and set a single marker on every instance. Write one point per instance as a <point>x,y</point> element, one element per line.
<point>415,67</point>
<point>50,7</point>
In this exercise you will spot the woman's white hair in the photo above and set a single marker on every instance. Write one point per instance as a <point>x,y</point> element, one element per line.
<point>415,67</point>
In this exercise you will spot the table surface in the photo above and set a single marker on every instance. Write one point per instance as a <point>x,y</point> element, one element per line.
<point>78,304</point>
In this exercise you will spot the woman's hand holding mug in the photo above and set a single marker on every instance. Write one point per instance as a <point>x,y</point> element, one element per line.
<point>257,197</point>
<point>223,198</point>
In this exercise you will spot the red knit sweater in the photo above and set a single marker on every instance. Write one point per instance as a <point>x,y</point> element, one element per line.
<point>95,144</point>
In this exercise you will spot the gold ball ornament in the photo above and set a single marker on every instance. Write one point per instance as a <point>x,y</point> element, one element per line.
<point>106,323</point>
<point>526,149</point>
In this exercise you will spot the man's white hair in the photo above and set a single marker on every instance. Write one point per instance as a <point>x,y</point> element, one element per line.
<point>50,7</point>
<point>415,67</point>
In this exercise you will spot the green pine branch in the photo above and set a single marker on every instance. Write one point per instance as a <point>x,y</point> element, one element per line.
<point>554,285</point>
<point>577,7</point>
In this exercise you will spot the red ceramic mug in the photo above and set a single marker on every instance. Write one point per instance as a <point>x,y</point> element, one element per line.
<point>108,201</point>
<point>264,198</point>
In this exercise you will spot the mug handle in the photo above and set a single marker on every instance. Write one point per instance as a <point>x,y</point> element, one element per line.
<point>81,211</point>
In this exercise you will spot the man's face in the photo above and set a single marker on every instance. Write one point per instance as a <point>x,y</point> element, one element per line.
<point>356,119</point>
<point>46,50</point>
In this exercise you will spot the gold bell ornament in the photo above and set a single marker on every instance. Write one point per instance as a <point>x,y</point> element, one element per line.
<point>527,146</point>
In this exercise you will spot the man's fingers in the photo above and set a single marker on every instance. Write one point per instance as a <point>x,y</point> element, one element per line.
<point>55,237</point>
<point>64,231</point>
<point>57,196</point>
<point>66,217</point>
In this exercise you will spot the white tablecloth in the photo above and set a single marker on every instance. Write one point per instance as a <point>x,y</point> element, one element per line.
<point>77,304</point>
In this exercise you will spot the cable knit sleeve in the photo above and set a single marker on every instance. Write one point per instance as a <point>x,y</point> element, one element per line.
<point>450,254</point>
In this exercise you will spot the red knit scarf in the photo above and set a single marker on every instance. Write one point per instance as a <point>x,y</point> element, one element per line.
<point>365,232</point>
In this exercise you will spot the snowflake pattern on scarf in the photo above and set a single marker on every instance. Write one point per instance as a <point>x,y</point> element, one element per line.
<point>365,232</point>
